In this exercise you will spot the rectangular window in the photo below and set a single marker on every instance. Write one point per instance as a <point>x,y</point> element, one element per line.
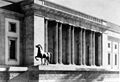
<point>115,46</point>
<point>108,58</point>
<point>115,59</point>
<point>12,27</point>
<point>108,45</point>
<point>12,48</point>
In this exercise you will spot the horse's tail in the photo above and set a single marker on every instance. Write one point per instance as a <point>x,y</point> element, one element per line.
<point>36,58</point>
<point>48,56</point>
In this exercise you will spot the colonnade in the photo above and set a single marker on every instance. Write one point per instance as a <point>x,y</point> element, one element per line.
<point>89,50</point>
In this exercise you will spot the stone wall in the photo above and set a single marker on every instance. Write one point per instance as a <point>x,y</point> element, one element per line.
<point>2,39</point>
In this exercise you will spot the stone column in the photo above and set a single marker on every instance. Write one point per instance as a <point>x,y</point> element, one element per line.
<point>60,44</point>
<point>73,48</point>
<point>56,44</point>
<point>80,46</point>
<point>93,48</point>
<point>90,48</point>
<point>69,45</point>
<point>46,35</point>
<point>84,48</point>
<point>99,49</point>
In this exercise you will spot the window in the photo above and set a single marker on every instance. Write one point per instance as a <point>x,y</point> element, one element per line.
<point>115,59</point>
<point>12,27</point>
<point>108,58</point>
<point>115,46</point>
<point>12,41</point>
<point>12,48</point>
<point>108,45</point>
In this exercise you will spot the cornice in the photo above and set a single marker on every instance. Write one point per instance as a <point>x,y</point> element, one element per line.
<point>6,12</point>
<point>65,15</point>
<point>50,13</point>
<point>58,15</point>
<point>72,11</point>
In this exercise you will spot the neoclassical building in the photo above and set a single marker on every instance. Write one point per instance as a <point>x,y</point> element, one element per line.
<point>83,48</point>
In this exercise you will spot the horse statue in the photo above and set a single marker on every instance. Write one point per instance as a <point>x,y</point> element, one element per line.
<point>44,56</point>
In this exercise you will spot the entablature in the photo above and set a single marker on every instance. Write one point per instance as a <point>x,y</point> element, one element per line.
<point>71,11</point>
<point>67,18</point>
<point>66,15</point>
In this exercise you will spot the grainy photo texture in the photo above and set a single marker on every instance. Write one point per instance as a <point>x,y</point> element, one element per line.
<point>59,40</point>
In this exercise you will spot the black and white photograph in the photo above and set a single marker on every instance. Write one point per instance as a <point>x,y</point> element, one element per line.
<point>59,40</point>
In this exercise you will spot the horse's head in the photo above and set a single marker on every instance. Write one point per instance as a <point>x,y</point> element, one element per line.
<point>39,46</point>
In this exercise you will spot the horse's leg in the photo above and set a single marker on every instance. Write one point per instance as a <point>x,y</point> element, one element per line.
<point>41,61</point>
<point>36,58</point>
<point>44,61</point>
<point>47,62</point>
<point>48,59</point>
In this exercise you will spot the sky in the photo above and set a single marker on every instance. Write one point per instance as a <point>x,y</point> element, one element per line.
<point>108,10</point>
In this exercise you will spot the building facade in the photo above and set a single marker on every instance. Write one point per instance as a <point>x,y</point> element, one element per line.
<point>83,48</point>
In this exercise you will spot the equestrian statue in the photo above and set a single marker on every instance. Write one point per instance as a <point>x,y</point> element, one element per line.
<point>44,56</point>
